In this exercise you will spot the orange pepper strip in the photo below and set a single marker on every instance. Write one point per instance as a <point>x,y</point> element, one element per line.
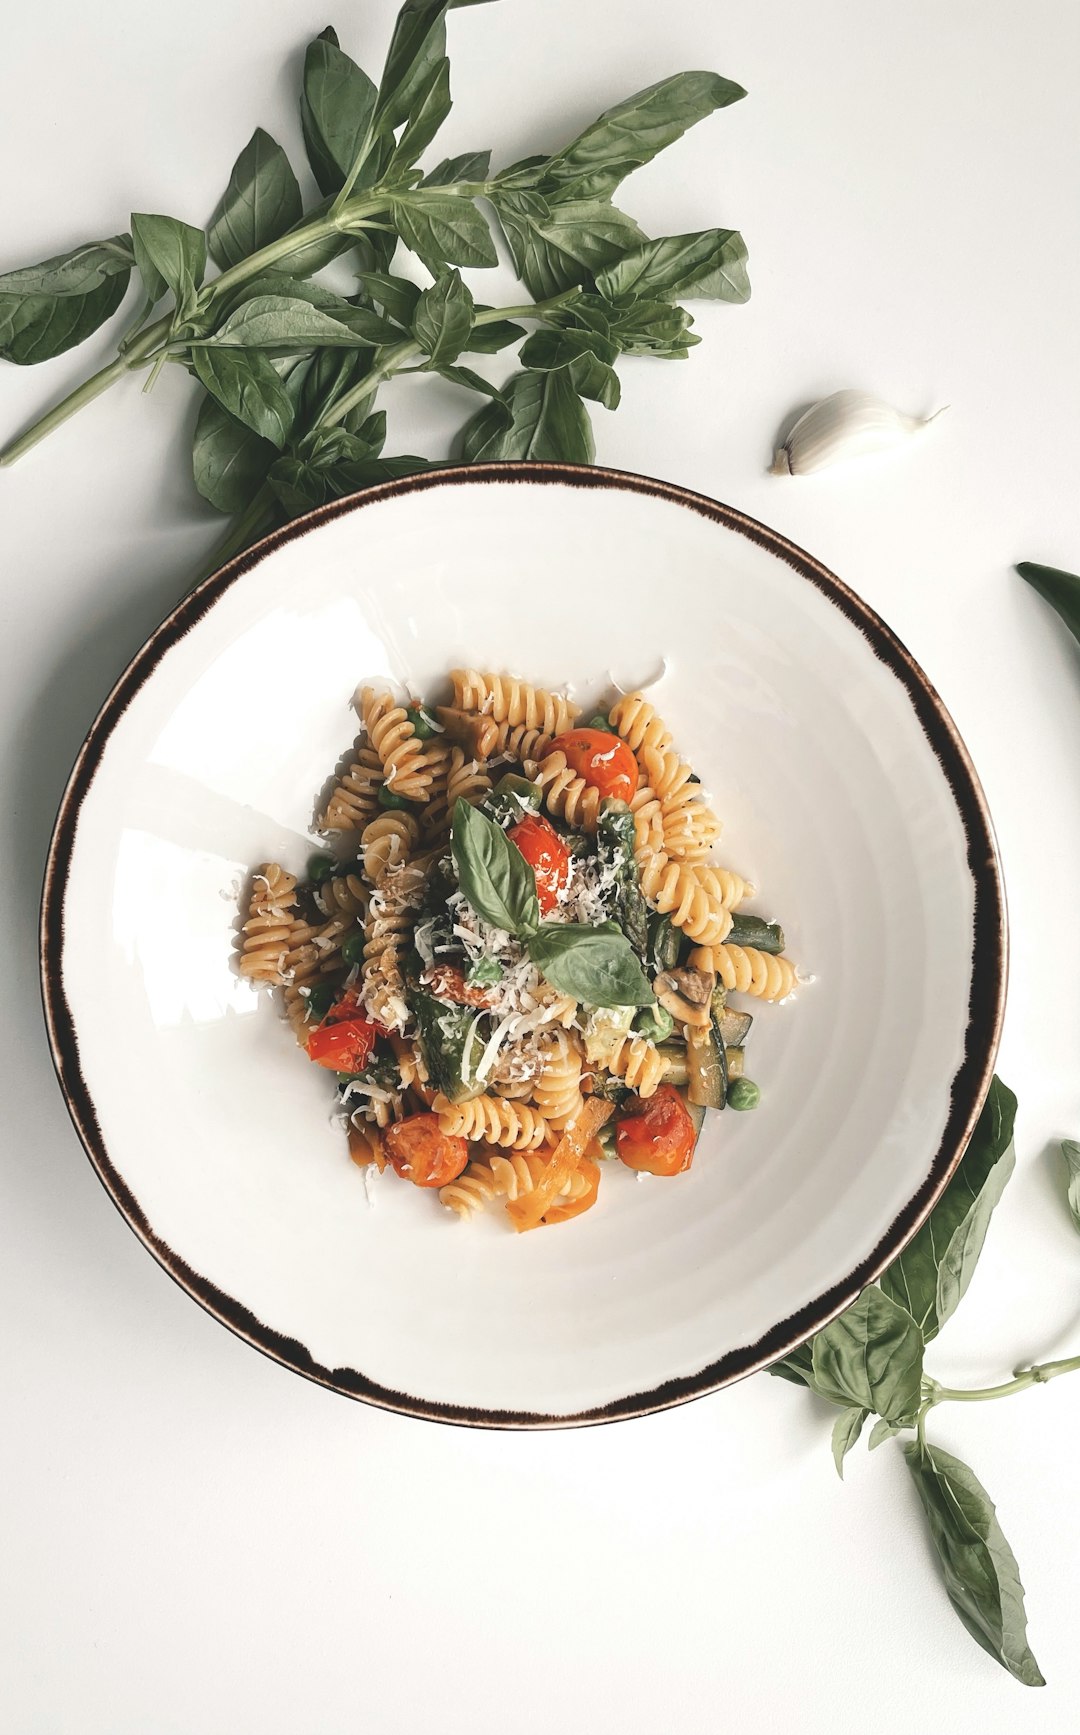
<point>526,1211</point>
<point>564,1209</point>
<point>365,1146</point>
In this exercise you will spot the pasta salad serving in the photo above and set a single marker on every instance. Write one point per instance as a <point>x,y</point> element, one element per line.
<point>517,962</point>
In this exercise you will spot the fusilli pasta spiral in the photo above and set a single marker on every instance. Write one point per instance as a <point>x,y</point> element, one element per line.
<point>354,798</point>
<point>637,722</point>
<point>502,1177</point>
<point>566,795</point>
<point>557,1091</point>
<point>745,970</point>
<point>343,895</point>
<point>511,701</point>
<point>519,741</point>
<point>391,732</point>
<point>387,929</point>
<point>493,1119</point>
<point>687,893</point>
<point>690,827</point>
<point>639,1063</point>
<point>387,841</point>
<point>269,923</point>
<point>648,821</point>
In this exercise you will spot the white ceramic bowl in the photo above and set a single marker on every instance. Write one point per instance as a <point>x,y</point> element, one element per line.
<point>848,799</point>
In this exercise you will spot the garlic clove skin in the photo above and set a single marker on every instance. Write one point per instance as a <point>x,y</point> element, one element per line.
<point>848,424</point>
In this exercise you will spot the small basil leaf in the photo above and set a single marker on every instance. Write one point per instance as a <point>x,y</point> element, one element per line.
<point>596,381</point>
<point>981,1575</point>
<point>593,964</point>
<point>48,308</point>
<point>300,485</point>
<point>871,1356</point>
<point>634,131</point>
<point>1070,1150</point>
<point>930,1277</point>
<point>541,416</point>
<point>336,105</point>
<point>473,382</point>
<point>443,320</point>
<point>710,264</point>
<point>246,384</point>
<point>846,1430</point>
<point>881,1431</point>
<point>395,295</point>
<point>431,109</point>
<point>637,327</point>
<point>489,339</point>
<point>170,255</point>
<point>1060,589</point>
<point>492,872</point>
<point>228,460</point>
<point>797,1366</point>
<point>551,348</point>
<point>261,202</point>
<point>417,45</point>
<point>442,229</point>
<point>470,167</point>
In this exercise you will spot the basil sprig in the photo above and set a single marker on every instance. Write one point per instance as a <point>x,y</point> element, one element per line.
<point>597,965</point>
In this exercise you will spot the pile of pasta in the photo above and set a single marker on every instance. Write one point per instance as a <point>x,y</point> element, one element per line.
<point>458,1064</point>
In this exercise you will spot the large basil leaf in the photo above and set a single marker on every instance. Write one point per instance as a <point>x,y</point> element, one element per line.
<point>432,107</point>
<point>229,461</point>
<point>930,1277</point>
<point>597,965</point>
<point>443,319</point>
<point>846,1430</point>
<point>871,1356</point>
<point>710,264</point>
<point>492,872</point>
<point>287,323</point>
<point>261,202</point>
<point>1070,1150</point>
<point>555,246</point>
<point>1060,589</point>
<point>541,416</point>
<point>170,255</point>
<point>395,295</point>
<point>246,384</point>
<point>981,1574</point>
<point>443,229</point>
<point>336,105</point>
<point>634,131</point>
<point>470,167</point>
<point>48,308</point>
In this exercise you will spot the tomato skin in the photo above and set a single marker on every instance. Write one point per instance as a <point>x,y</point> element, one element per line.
<point>447,982</point>
<point>419,1151</point>
<point>345,1038</point>
<point>655,1135</point>
<point>546,854</point>
<point>603,760</point>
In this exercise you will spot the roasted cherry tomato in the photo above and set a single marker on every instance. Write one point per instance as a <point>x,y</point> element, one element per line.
<point>547,855</point>
<point>656,1134</point>
<point>345,1038</point>
<point>605,762</point>
<point>448,983</point>
<point>422,1153</point>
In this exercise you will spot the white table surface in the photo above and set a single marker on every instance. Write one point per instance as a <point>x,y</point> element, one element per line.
<point>197,1541</point>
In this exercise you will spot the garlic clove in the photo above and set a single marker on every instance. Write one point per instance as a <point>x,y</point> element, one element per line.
<point>848,424</point>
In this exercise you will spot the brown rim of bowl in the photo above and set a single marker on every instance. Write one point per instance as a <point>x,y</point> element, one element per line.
<point>985,1006</point>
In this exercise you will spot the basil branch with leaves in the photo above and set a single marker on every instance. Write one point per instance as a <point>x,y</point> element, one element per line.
<point>290,368</point>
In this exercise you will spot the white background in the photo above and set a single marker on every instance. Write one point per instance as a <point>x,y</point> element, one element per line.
<point>196,1540</point>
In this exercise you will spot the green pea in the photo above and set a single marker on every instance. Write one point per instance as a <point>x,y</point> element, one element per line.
<point>320,867</point>
<point>744,1093</point>
<point>390,798</point>
<point>599,722</point>
<point>352,950</point>
<point>655,1022</point>
<point>422,721</point>
<point>319,1001</point>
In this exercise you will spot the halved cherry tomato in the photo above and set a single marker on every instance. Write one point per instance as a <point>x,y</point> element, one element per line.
<point>656,1134</point>
<point>345,1038</point>
<point>605,762</point>
<point>547,855</point>
<point>448,983</point>
<point>422,1153</point>
<point>564,1209</point>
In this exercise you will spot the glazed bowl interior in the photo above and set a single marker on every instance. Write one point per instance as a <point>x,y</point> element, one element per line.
<point>847,800</point>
